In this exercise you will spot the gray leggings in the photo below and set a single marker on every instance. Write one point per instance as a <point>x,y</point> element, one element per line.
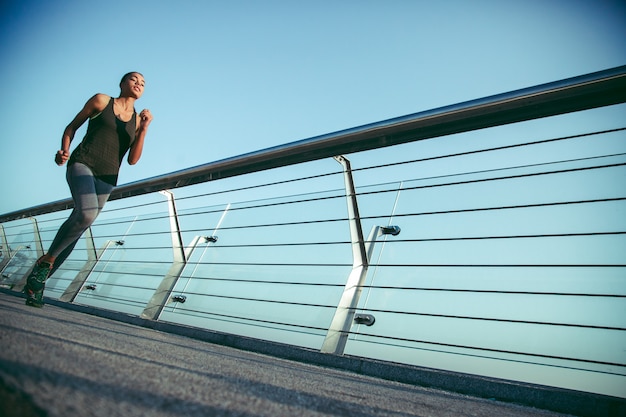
<point>89,194</point>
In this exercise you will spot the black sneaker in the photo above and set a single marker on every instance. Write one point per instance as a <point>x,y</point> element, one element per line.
<point>35,284</point>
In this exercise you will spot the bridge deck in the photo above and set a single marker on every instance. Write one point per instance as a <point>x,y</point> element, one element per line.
<point>59,362</point>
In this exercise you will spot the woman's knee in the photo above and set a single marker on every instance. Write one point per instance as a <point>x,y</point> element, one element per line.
<point>85,218</point>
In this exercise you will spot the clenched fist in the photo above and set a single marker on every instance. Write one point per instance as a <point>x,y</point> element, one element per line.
<point>61,157</point>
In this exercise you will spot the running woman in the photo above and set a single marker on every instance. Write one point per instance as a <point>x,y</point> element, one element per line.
<point>114,130</point>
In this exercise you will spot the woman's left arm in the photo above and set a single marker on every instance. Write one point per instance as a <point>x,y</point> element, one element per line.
<point>143,121</point>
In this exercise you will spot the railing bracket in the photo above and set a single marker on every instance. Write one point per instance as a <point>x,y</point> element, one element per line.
<point>179,298</point>
<point>366,319</point>
<point>390,230</point>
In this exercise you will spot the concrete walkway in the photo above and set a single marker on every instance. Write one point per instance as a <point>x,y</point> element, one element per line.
<point>59,362</point>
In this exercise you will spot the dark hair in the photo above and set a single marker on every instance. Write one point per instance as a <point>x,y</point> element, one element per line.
<point>127,76</point>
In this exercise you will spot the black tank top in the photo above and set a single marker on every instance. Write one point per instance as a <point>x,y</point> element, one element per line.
<point>106,142</point>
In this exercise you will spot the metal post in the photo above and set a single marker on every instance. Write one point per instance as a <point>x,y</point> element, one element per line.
<point>72,290</point>
<point>38,250</point>
<point>177,237</point>
<point>337,335</point>
<point>161,295</point>
<point>4,249</point>
<point>37,238</point>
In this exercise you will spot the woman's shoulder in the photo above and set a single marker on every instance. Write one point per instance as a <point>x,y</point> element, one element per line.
<point>100,100</point>
<point>96,104</point>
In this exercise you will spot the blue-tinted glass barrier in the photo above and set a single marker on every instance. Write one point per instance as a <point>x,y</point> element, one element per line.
<point>515,269</point>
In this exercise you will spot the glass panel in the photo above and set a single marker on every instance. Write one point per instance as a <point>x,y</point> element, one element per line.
<point>498,270</point>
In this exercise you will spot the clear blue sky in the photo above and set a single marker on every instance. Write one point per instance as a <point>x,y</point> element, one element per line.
<point>226,78</point>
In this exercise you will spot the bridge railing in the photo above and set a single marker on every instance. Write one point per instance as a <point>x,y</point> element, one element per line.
<point>495,249</point>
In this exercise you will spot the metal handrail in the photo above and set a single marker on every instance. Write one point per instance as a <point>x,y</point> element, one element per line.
<point>584,92</point>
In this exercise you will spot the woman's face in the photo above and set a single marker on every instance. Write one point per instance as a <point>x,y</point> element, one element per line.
<point>133,85</point>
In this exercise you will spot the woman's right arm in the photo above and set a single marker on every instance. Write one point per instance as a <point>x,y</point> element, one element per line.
<point>93,106</point>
